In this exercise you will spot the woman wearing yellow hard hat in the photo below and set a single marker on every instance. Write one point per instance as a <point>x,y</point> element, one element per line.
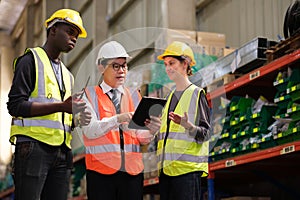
<point>183,129</point>
<point>41,102</point>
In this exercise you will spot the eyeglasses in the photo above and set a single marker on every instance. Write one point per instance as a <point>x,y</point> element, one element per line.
<point>117,66</point>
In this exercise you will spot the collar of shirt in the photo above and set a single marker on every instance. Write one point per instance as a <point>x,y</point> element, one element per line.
<point>106,89</point>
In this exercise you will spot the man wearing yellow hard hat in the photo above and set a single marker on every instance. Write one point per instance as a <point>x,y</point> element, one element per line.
<point>40,102</point>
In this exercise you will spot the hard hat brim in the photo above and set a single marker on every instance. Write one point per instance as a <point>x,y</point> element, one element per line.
<point>162,56</point>
<point>82,31</point>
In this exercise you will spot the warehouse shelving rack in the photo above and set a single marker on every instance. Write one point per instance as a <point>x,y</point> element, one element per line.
<point>242,172</point>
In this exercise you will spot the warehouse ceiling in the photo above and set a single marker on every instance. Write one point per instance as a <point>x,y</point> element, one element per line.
<point>10,11</point>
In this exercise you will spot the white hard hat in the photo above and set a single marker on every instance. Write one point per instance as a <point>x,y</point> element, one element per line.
<point>110,50</point>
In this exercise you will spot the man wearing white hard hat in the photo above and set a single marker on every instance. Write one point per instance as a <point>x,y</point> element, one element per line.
<point>113,154</point>
<point>41,104</point>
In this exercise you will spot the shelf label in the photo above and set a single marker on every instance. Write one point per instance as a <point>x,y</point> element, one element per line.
<point>225,135</point>
<point>254,75</point>
<point>288,149</point>
<point>232,123</point>
<point>281,98</point>
<point>295,130</point>
<point>230,163</point>
<point>233,108</point>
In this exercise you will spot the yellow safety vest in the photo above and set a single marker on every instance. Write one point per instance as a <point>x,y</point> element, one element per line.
<point>53,129</point>
<point>182,153</point>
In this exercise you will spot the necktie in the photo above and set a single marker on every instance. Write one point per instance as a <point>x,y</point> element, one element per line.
<point>115,100</point>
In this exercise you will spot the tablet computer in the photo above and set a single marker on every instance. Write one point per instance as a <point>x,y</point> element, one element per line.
<point>147,106</point>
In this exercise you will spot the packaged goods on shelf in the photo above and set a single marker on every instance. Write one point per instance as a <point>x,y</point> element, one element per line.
<point>290,135</point>
<point>245,127</point>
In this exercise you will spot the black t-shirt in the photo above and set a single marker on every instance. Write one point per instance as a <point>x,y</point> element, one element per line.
<point>22,86</point>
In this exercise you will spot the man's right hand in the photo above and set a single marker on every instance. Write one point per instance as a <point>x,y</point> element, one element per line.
<point>124,117</point>
<point>74,105</point>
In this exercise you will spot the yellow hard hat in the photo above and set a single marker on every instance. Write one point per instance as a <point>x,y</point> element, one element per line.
<point>178,49</point>
<point>68,16</point>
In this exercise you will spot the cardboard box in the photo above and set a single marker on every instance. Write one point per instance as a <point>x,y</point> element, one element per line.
<point>211,43</point>
<point>228,51</point>
<point>170,35</point>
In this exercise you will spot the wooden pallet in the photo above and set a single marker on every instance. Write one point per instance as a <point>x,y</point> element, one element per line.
<point>284,47</point>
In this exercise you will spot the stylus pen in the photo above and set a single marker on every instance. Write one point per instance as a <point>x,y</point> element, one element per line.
<point>83,89</point>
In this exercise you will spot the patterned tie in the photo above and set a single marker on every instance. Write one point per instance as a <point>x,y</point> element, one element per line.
<point>115,100</point>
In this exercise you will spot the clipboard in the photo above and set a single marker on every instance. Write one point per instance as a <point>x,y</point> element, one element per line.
<point>147,106</point>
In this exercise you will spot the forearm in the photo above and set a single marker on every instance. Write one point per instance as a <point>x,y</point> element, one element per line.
<point>40,109</point>
<point>200,133</point>
<point>97,128</point>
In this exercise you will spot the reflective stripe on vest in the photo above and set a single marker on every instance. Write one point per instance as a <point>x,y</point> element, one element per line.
<point>50,128</point>
<point>182,153</point>
<point>111,148</point>
<point>104,154</point>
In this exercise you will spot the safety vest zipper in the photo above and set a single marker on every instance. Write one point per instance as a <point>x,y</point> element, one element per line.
<point>122,150</point>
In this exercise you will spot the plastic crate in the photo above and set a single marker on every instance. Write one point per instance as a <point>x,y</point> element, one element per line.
<point>294,112</point>
<point>281,84</point>
<point>281,113</point>
<point>291,135</point>
<point>240,107</point>
<point>282,100</point>
<point>294,92</point>
<point>244,149</point>
<point>265,117</point>
<point>295,77</point>
<point>267,143</point>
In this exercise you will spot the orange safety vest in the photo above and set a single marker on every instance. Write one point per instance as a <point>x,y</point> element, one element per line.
<point>104,154</point>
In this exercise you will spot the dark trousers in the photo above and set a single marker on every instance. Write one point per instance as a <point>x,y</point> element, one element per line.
<point>118,186</point>
<point>41,172</point>
<point>183,187</point>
